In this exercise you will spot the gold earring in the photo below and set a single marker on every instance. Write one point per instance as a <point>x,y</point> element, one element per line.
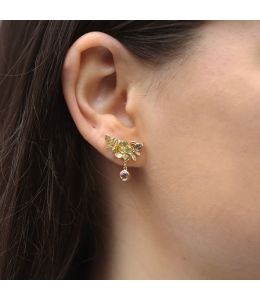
<point>124,150</point>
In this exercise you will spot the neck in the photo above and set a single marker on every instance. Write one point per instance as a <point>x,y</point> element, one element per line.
<point>134,244</point>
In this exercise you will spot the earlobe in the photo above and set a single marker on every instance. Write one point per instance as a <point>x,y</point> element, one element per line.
<point>96,90</point>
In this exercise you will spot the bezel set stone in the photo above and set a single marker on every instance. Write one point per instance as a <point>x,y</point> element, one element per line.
<point>124,175</point>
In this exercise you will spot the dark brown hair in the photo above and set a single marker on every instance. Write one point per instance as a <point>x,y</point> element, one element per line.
<point>50,190</point>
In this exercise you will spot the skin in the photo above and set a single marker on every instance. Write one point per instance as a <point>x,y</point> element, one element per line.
<point>192,208</point>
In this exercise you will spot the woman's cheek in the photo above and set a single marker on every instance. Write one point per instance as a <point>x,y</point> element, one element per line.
<point>205,170</point>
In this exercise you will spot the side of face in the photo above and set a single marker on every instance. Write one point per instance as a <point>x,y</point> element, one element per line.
<point>201,122</point>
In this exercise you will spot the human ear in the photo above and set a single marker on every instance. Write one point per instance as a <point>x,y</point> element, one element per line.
<point>99,86</point>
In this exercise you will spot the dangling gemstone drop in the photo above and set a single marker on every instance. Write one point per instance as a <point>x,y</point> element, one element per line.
<point>124,175</point>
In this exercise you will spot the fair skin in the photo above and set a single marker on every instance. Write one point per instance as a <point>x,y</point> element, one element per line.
<point>192,209</point>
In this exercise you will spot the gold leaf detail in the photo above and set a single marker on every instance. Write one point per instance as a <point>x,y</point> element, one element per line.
<point>122,149</point>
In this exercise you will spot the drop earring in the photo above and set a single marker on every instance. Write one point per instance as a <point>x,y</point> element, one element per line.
<point>125,151</point>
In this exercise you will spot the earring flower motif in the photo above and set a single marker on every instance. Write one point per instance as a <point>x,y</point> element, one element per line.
<point>125,151</point>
